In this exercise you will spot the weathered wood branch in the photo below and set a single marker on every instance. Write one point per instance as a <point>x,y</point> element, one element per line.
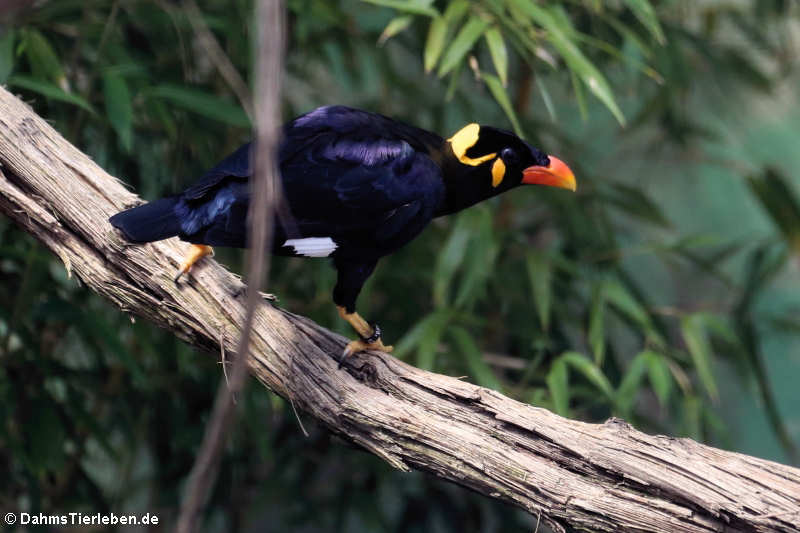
<point>601,477</point>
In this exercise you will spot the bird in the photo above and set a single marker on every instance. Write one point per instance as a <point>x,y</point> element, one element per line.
<point>357,185</point>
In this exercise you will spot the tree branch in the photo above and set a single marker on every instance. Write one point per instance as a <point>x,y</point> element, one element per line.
<point>602,477</point>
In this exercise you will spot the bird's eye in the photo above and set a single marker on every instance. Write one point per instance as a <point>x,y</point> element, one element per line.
<point>509,157</point>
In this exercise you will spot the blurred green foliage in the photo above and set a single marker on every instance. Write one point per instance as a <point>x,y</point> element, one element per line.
<point>664,291</point>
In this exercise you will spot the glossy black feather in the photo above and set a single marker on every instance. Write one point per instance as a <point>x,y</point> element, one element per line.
<point>367,182</point>
<point>356,186</point>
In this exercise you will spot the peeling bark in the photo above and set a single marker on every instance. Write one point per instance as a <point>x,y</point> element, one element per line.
<point>600,477</point>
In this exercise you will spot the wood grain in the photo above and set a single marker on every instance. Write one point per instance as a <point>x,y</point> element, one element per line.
<point>600,477</point>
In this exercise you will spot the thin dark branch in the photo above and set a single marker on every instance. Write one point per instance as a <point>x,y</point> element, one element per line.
<point>268,79</point>
<point>224,65</point>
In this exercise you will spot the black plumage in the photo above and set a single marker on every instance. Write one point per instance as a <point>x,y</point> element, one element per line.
<point>357,186</point>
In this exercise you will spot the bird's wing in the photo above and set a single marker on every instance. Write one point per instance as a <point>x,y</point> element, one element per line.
<point>344,172</point>
<point>236,166</point>
<point>346,184</point>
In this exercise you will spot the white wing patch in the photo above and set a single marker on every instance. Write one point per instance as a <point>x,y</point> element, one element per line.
<point>312,246</point>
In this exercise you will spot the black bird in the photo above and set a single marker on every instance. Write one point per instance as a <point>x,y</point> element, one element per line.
<point>358,186</point>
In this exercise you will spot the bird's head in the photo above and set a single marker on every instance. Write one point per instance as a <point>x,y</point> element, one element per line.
<point>499,160</point>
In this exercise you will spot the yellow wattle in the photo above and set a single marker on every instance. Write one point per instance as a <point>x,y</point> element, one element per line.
<point>498,172</point>
<point>463,140</point>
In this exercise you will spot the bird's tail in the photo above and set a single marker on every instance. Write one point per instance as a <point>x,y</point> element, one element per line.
<point>149,222</point>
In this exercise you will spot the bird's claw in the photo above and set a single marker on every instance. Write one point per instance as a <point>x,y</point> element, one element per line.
<point>359,345</point>
<point>194,254</point>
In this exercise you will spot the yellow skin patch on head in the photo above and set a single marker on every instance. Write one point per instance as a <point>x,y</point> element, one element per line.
<point>463,140</point>
<point>498,172</point>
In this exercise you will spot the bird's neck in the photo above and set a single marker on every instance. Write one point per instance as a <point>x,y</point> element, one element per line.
<point>464,185</point>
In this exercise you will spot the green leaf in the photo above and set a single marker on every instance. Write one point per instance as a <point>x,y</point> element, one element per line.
<point>453,85</point>
<point>48,90</point>
<point>558,385</point>
<point>449,259</point>
<point>590,371</point>
<point>6,54</point>
<point>425,336</point>
<point>43,59</point>
<point>499,53</point>
<point>631,383</point>
<point>644,11</point>
<point>633,201</point>
<point>692,406</point>
<point>395,26</point>
<point>469,349</point>
<point>435,42</point>
<point>618,296</point>
<point>558,34</point>
<point>548,102</point>
<point>480,258</point>
<point>414,8</point>
<point>780,202</point>
<point>597,338</point>
<point>579,98</point>
<point>462,44</point>
<point>694,334</point>
<point>429,343</point>
<point>660,376</point>
<point>118,108</point>
<point>437,34</point>
<point>203,103</point>
<point>540,274</point>
<point>500,95</point>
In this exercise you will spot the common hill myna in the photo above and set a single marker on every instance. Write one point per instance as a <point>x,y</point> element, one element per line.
<point>358,186</point>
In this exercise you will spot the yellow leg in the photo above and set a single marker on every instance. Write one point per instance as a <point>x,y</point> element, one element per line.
<point>195,253</point>
<point>365,331</point>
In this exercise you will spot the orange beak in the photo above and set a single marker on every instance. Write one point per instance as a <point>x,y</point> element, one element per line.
<point>557,174</point>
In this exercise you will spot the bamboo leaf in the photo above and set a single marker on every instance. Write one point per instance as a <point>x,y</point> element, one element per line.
<point>478,368</point>
<point>434,45</point>
<point>425,337</point>
<point>479,263</point>
<point>558,34</point>
<point>453,85</point>
<point>48,90</point>
<point>631,383</point>
<point>696,338</point>
<point>596,333</point>
<point>501,96</point>
<point>780,202</point>
<point>590,371</point>
<point>548,102</point>
<point>499,53</point>
<point>540,274</point>
<point>621,299</point>
<point>643,10</point>
<point>438,30</point>
<point>462,44</point>
<point>118,108</point>
<point>660,376</point>
<point>203,103</point>
<point>395,26</point>
<point>414,8</point>
<point>449,259</point>
<point>43,59</point>
<point>558,385</point>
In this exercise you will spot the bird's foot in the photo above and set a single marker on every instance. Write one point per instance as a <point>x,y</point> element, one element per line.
<point>195,253</point>
<point>373,342</point>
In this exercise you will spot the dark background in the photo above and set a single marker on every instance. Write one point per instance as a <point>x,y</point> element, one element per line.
<point>665,291</point>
